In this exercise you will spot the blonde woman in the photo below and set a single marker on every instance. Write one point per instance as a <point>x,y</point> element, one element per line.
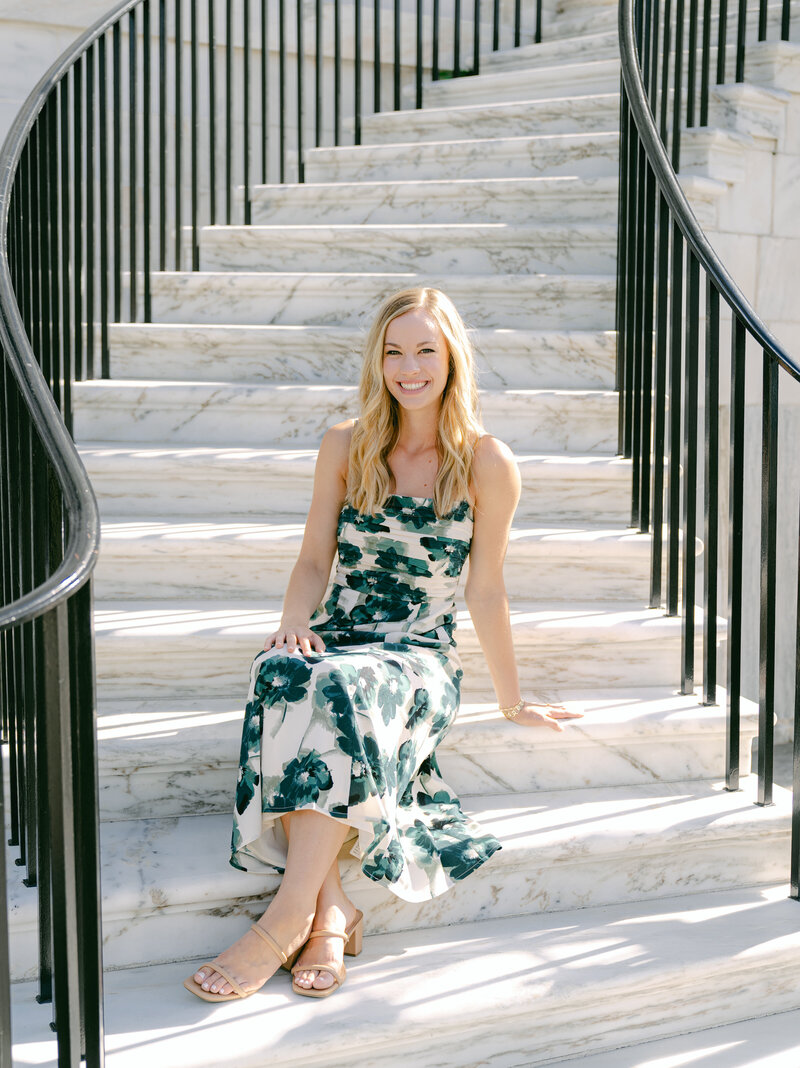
<point>354,690</point>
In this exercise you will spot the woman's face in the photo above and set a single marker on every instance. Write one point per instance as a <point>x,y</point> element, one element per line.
<point>415,360</point>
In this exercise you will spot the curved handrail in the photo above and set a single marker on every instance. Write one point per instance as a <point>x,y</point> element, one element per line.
<point>80,555</point>
<point>676,198</point>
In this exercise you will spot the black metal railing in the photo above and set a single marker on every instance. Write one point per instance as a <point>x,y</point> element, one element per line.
<point>160,119</point>
<point>674,382</point>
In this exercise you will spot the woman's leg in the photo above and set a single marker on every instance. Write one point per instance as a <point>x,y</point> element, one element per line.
<point>314,842</point>
<point>335,911</point>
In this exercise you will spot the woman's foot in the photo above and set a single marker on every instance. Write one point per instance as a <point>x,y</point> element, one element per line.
<point>249,961</point>
<point>333,914</point>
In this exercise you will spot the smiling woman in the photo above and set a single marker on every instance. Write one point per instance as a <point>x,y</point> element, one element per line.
<point>353,692</point>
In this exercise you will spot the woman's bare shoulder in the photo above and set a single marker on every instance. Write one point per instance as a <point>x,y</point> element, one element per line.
<point>334,449</point>
<point>494,469</point>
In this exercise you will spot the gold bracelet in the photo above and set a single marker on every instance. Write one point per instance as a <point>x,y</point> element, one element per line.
<point>512,711</point>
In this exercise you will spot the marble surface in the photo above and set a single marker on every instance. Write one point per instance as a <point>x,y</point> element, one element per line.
<point>598,111</point>
<point>174,757</point>
<point>193,560</point>
<point>154,648</point>
<point>525,200</point>
<point>173,480</point>
<point>461,248</point>
<point>675,965</point>
<point>582,421</point>
<point>515,358</point>
<point>588,78</point>
<point>585,154</point>
<point>561,301</point>
<point>560,850</point>
<point>769,1041</point>
<point>574,49</point>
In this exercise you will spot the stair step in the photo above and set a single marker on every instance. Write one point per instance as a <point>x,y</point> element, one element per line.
<point>560,850</point>
<point>156,648</point>
<point>589,155</point>
<point>460,248</point>
<point>597,111</point>
<point>584,301</point>
<point>590,77</point>
<point>472,991</point>
<point>518,201</point>
<point>227,483</point>
<point>505,357</point>
<point>575,50</point>
<point>166,757</point>
<point>201,560</point>
<point>771,1041</point>
<point>298,415</point>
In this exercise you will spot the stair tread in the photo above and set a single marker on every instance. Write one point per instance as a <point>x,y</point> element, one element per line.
<point>473,989</point>
<point>541,184</point>
<point>183,860</point>
<point>156,730</point>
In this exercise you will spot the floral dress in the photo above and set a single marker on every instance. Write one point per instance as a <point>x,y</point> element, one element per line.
<point>352,731</point>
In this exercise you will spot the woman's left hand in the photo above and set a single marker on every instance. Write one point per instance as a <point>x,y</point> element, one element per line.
<point>536,715</point>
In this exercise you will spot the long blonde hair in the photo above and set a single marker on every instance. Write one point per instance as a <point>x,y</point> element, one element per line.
<point>375,433</point>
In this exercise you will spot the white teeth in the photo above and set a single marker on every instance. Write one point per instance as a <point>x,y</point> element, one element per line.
<point>413,385</point>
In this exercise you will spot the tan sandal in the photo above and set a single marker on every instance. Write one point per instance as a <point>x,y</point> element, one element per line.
<point>238,992</point>
<point>353,940</point>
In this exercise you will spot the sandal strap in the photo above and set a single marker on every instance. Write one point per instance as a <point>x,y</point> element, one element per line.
<point>228,978</point>
<point>338,971</point>
<point>331,934</point>
<point>273,945</point>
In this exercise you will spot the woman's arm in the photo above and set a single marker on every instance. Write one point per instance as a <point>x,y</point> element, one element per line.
<point>309,577</point>
<point>496,483</point>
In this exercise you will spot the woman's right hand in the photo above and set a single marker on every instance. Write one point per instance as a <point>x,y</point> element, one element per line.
<point>295,636</point>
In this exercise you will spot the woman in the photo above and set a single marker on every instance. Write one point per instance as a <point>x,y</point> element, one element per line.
<point>349,698</point>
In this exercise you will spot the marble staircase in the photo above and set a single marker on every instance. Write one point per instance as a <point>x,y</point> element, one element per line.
<point>633,894</point>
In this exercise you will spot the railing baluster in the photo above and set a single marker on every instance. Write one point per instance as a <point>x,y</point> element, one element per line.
<point>722,37</point>
<point>769,550</point>
<point>90,242</point>
<point>162,135</point>
<point>418,78</point>
<point>318,83</point>
<point>5,963</point>
<point>397,56</point>
<point>357,73</point>
<point>496,25</point>
<point>64,871</point>
<point>77,218</point>
<point>105,360</point>
<point>337,72</point>
<point>762,20</point>
<point>116,141</point>
<point>195,121</point>
<point>677,87</point>
<point>659,428</point>
<point>649,205</point>
<point>517,23</point>
<point>675,406</point>
<point>735,553</point>
<point>690,471</point>
<point>711,495</point>
<point>741,32</point>
<point>177,147</point>
<point>212,109</point>
<point>133,126</point>
<point>706,62</point>
<point>691,68</point>
<point>435,56</point>
<point>147,101</point>
<point>476,38</point>
<point>281,88</point>
<point>795,846</point>
<point>457,38</point>
<point>66,300</point>
<point>246,101</point>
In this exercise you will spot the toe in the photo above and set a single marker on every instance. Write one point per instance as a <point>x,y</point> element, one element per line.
<point>323,981</point>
